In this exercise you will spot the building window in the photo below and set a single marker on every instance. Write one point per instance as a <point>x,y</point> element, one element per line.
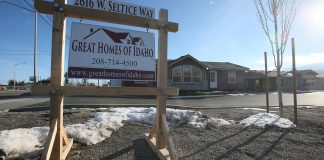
<point>176,74</point>
<point>231,77</point>
<point>186,74</point>
<point>212,76</point>
<point>196,77</point>
<point>308,81</point>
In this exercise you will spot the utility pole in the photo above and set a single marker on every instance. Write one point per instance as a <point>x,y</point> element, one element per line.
<point>35,43</point>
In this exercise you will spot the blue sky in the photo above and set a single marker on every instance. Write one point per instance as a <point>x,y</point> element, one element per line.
<point>209,30</point>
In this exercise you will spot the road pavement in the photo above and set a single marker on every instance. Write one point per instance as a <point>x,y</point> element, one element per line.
<point>21,102</point>
<point>226,101</point>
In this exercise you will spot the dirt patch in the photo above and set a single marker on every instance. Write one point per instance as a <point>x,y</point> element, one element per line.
<point>306,141</point>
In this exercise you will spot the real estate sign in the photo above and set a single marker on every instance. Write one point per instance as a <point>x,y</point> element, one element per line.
<point>110,53</point>
<point>116,6</point>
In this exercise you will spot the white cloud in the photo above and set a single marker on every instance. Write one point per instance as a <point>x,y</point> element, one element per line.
<point>312,58</point>
<point>301,60</point>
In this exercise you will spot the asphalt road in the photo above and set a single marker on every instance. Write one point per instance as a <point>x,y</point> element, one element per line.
<point>21,102</point>
<point>316,98</point>
<point>210,102</point>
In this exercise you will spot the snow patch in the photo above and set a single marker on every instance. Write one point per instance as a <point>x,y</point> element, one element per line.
<point>241,94</point>
<point>26,142</point>
<point>307,107</point>
<point>262,119</point>
<point>220,122</point>
<point>255,109</point>
<point>23,142</point>
<point>96,129</point>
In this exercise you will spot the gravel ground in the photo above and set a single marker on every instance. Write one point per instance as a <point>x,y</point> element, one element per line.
<point>225,142</point>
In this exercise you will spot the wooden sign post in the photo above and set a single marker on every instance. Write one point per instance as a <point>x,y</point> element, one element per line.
<point>58,144</point>
<point>294,79</point>
<point>159,137</point>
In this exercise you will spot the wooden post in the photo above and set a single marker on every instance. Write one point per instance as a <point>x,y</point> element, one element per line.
<point>162,77</point>
<point>266,80</point>
<point>294,79</point>
<point>54,145</point>
<point>159,137</point>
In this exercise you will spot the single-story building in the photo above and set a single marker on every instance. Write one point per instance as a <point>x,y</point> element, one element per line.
<point>305,80</point>
<point>255,81</point>
<point>189,74</point>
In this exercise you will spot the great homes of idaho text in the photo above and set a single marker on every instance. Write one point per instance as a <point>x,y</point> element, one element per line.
<point>100,47</point>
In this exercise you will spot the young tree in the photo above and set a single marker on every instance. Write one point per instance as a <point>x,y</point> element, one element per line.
<point>276,18</point>
<point>11,82</point>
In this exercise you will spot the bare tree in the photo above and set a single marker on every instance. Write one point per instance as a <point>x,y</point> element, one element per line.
<point>276,18</point>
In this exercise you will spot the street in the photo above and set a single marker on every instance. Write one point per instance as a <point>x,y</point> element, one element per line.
<point>21,102</point>
<point>227,101</point>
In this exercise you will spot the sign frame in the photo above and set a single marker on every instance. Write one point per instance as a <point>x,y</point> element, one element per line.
<point>58,145</point>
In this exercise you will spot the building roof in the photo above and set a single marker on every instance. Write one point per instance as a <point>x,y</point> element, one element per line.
<point>261,74</point>
<point>172,62</point>
<point>210,65</point>
<point>224,66</point>
<point>305,72</point>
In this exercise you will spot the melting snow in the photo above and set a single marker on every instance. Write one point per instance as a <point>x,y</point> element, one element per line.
<point>220,122</point>
<point>263,119</point>
<point>256,109</point>
<point>241,94</point>
<point>307,107</point>
<point>24,142</point>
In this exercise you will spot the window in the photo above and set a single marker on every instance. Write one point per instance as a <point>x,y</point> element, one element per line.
<point>176,74</point>
<point>308,81</point>
<point>231,77</point>
<point>186,74</point>
<point>212,76</point>
<point>196,74</point>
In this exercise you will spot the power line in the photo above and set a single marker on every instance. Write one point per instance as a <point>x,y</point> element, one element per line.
<point>43,17</point>
<point>17,6</point>
<point>24,54</point>
<point>20,50</point>
<point>38,13</point>
<point>48,17</point>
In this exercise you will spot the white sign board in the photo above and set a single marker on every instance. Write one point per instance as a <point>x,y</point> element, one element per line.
<point>118,7</point>
<point>110,53</point>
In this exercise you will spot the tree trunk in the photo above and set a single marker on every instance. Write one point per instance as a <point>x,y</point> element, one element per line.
<point>278,66</point>
<point>279,93</point>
